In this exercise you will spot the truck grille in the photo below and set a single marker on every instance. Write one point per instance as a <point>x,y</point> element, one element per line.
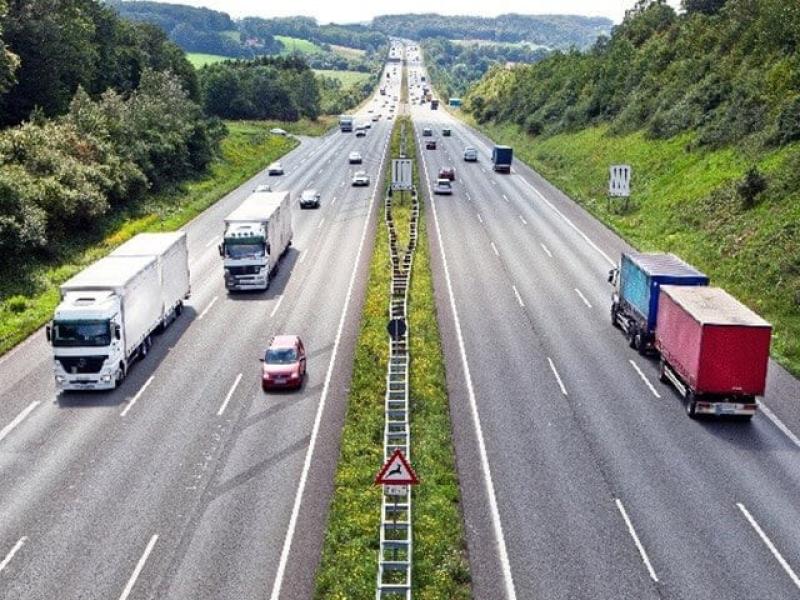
<point>246,270</point>
<point>82,364</point>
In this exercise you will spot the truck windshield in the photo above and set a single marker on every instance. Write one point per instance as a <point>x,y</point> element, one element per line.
<point>237,249</point>
<point>81,333</point>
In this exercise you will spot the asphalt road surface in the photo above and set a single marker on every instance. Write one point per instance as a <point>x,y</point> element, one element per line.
<point>581,476</point>
<point>189,481</point>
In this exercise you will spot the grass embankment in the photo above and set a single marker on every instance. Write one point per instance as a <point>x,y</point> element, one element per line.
<point>347,78</point>
<point>198,59</point>
<point>298,45</point>
<point>349,563</point>
<point>28,296</point>
<point>684,201</point>
<point>304,126</point>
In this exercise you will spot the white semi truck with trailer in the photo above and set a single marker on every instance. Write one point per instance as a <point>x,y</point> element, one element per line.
<point>257,235</point>
<point>110,310</point>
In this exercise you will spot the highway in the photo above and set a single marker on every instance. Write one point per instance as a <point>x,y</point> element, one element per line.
<point>581,476</point>
<point>188,481</point>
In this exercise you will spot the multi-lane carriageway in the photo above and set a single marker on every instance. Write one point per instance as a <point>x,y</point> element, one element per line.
<point>188,481</point>
<point>581,477</point>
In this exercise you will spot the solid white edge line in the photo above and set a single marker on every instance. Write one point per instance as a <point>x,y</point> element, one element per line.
<point>230,395</point>
<point>277,306</point>
<point>139,566</point>
<point>644,378</point>
<point>212,241</point>
<point>568,222</point>
<point>137,396</point>
<point>582,297</point>
<point>508,579</point>
<point>636,540</point>
<point>19,419</point>
<point>521,218</point>
<point>287,542</point>
<point>558,377</point>
<point>207,308</point>
<point>547,250</point>
<point>495,249</point>
<point>775,421</point>
<point>14,550</point>
<point>764,538</point>
<point>519,298</point>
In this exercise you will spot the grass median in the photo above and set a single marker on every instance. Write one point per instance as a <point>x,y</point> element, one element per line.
<point>349,564</point>
<point>29,296</point>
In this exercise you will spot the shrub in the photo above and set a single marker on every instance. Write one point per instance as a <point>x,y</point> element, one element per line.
<point>753,184</point>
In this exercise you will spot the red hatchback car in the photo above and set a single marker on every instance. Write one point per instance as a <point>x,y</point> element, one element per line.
<point>447,173</point>
<point>284,363</point>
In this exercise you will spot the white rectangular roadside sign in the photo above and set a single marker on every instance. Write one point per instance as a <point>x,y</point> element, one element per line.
<point>619,183</point>
<point>401,174</point>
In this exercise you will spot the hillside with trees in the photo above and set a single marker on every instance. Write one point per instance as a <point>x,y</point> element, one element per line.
<point>550,31</point>
<point>706,107</point>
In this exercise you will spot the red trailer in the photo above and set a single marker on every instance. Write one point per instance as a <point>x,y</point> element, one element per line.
<point>714,350</point>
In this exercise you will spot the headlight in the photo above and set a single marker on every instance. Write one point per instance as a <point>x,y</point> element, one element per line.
<point>105,378</point>
<point>60,379</point>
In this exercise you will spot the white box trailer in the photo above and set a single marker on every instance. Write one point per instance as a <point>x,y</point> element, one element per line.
<point>171,252</point>
<point>105,319</point>
<point>257,234</point>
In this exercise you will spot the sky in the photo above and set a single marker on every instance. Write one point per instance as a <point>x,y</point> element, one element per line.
<point>351,11</point>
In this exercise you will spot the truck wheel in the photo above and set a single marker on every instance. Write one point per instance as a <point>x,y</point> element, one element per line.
<point>691,406</point>
<point>145,347</point>
<point>632,336</point>
<point>614,313</point>
<point>178,309</point>
<point>638,343</point>
<point>120,376</point>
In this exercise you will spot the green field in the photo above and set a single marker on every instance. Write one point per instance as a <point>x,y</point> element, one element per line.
<point>471,42</point>
<point>685,201</point>
<point>27,300</point>
<point>199,59</point>
<point>347,51</point>
<point>292,45</point>
<point>347,78</point>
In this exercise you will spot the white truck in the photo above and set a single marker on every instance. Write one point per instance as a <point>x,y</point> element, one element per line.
<point>109,311</point>
<point>257,234</point>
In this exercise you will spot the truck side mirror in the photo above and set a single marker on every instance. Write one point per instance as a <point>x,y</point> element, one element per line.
<point>612,275</point>
<point>269,248</point>
<point>117,331</point>
<point>221,249</point>
<point>49,332</point>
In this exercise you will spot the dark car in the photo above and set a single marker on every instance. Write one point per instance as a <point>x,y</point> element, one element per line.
<point>284,363</point>
<point>430,145</point>
<point>447,173</point>
<point>447,132</point>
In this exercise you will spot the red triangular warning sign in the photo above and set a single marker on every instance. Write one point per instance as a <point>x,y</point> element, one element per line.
<point>396,471</point>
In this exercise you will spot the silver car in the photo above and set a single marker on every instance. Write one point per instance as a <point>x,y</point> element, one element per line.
<point>360,178</point>
<point>310,198</point>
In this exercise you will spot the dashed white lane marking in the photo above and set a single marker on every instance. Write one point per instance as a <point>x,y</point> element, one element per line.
<point>14,550</point>
<point>137,396</point>
<point>277,306</point>
<point>333,201</point>
<point>768,542</point>
<point>636,540</point>
<point>213,240</point>
<point>321,223</point>
<point>207,308</point>
<point>583,298</point>
<point>303,255</point>
<point>521,218</point>
<point>505,198</point>
<point>495,249</point>
<point>519,298</point>
<point>558,377</point>
<point>19,419</point>
<point>645,379</point>
<point>139,566</point>
<point>229,395</point>
<point>479,217</point>
<point>546,250</point>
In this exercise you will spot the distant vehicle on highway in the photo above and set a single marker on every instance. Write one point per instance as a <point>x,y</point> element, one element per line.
<point>430,145</point>
<point>427,132</point>
<point>278,131</point>
<point>447,132</point>
<point>360,178</point>
<point>346,123</point>
<point>443,186</point>
<point>284,363</point>
<point>376,117</point>
<point>501,158</point>
<point>355,158</point>
<point>310,198</point>
<point>275,168</point>
<point>262,187</point>
<point>470,154</point>
<point>447,173</point>
<point>361,131</point>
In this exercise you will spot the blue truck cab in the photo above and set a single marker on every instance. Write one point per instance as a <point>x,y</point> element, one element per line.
<point>501,158</point>
<point>637,282</point>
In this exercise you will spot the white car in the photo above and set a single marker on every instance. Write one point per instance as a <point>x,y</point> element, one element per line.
<point>310,197</point>
<point>470,154</point>
<point>360,178</point>
<point>376,117</point>
<point>278,131</point>
<point>355,158</point>
<point>275,168</point>
<point>443,186</point>
<point>263,187</point>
